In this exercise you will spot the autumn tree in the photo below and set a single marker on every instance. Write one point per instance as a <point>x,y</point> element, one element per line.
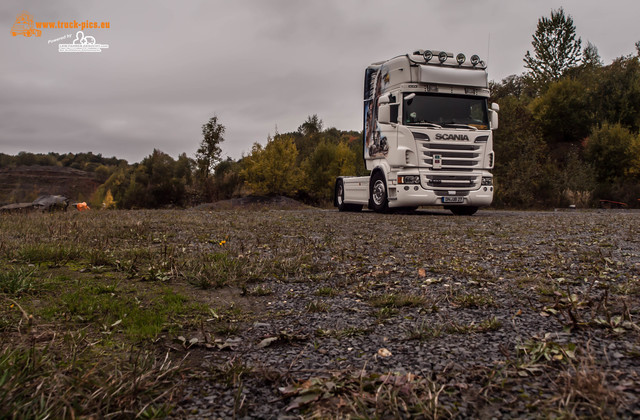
<point>208,154</point>
<point>563,112</point>
<point>273,169</point>
<point>611,149</point>
<point>555,47</point>
<point>327,162</point>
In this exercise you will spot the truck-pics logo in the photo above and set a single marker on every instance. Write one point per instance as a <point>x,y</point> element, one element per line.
<point>24,26</point>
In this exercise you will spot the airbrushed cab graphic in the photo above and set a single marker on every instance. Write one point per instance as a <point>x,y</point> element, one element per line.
<point>24,26</point>
<point>427,137</point>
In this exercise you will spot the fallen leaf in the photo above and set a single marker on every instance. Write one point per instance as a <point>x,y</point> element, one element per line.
<point>383,352</point>
<point>422,272</point>
<point>267,342</point>
<point>304,400</point>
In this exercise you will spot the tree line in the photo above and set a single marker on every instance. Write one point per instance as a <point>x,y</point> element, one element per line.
<point>302,164</point>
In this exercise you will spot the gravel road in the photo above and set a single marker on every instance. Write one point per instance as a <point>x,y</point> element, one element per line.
<point>424,315</point>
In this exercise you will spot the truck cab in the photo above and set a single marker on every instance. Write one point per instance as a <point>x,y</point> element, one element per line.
<point>427,138</point>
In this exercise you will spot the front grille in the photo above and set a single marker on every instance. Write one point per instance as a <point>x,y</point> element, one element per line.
<point>441,193</point>
<point>454,156</point>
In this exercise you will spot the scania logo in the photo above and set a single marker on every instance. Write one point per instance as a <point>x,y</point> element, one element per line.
<point>452,137</point>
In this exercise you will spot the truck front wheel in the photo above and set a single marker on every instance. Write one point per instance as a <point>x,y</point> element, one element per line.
<point>378,193</point>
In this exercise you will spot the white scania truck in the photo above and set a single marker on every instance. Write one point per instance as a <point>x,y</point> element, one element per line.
<point>427,137</point>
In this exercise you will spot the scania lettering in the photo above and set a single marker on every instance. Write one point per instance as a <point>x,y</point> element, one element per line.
<point>427,138</point>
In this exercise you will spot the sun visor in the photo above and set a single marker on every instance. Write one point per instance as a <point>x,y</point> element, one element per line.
<point>460,76</point>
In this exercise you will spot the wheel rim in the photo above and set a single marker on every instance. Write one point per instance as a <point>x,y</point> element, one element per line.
<point>378,192</point>
<point>340,197</point>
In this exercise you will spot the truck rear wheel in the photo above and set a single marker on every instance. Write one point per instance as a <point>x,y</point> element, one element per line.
<point>378,193</point>
<point>463,210</point>
<point>339,199</point>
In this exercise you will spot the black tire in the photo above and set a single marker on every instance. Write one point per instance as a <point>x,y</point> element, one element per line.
<point>463,210</point>
<point>339,199</point>
<point>378,193</point>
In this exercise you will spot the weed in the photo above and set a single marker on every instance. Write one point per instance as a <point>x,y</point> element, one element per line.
<point>258,291</point>
<point>385,313</point>
<point>17,281</point>
<point>155,273</point>
<point>343,333</point>
<point>541,350</point>
<point>219,270</point>
<point>473,300</point>
<point>317,306</point>
<point>425,332</point>
<point>326,291</point>
<point>56,254</point>
<point>99,258</point>
<point>401,300</point>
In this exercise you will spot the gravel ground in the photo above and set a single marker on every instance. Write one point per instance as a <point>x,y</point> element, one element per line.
<point>499,315</point>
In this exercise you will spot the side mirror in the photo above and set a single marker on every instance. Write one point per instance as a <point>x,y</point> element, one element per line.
<point>494,115</point>
<point>384,100</point>
<point>494,119</point>
<point>384,113</point>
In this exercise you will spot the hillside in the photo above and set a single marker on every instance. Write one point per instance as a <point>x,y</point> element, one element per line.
<point>25,183</point>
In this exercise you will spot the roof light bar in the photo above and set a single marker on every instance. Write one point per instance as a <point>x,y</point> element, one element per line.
<point>460,58</point>
<point>428,55</point>
<point>475,60</point>
<point>442,56</point>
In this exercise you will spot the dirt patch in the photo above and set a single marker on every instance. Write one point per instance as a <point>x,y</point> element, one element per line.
<point>25,183</point>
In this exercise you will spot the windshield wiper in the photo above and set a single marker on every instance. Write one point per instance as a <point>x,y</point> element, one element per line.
<point>428,124</point>
<point>456,125</point>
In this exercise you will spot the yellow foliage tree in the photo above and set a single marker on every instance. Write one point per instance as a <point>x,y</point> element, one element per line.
<point>634,153</point>
<point>327,162</point>
<point>108,202</point>
<point>272,169</point>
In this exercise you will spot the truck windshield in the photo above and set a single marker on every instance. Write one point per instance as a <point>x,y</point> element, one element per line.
<point>446,111</point>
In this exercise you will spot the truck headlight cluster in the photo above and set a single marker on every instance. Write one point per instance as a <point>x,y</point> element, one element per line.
<point>428,55</point>
<point>408,179</point>
<point>487,181</point>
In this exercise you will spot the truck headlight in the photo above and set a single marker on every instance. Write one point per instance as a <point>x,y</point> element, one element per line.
<point>487,181</point>
<point>408,179</point>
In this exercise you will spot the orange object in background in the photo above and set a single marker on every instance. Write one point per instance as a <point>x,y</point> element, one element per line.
<point>82,206</point>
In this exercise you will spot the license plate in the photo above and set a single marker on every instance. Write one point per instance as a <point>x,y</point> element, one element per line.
<point>453,199</point>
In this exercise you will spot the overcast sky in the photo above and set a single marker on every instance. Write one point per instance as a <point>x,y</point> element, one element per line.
<point>257,64</point>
